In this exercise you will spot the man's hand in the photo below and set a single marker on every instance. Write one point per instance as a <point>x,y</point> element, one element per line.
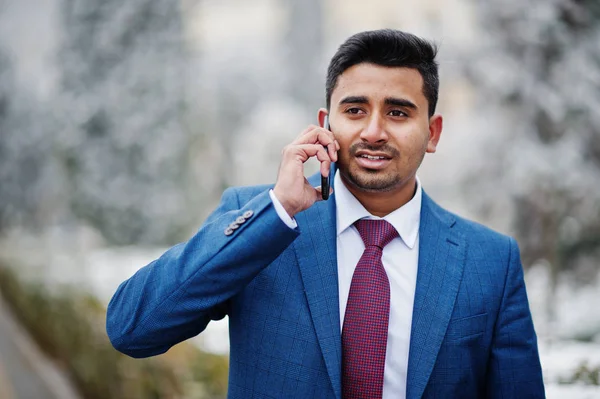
<point>292,189</point>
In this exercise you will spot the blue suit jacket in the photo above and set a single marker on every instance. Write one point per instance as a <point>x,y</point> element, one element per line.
<point>472,333</point>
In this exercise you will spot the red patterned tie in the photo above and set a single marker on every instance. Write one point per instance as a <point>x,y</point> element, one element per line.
<point>365,331</point>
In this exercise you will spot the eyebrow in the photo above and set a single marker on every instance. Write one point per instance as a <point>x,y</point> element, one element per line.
<point>398,102</point>
<point>354,100</point>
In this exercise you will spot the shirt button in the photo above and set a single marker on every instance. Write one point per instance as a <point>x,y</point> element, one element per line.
<point>233,226</point>
<point>248,214</point>
<point>240,220</point>
<point>228,231</point>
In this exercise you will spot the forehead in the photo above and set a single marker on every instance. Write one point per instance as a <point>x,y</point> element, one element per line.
<point>378,82</point>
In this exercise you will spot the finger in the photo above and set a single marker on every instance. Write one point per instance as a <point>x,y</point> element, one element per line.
<point>316,135</point>
<point>315,150</point>
<point>332,150</point>
<point>310,128</point>
<point>305,151</point>
<point>329,134</point>
<point>311,133</point>
<point>306,131</point>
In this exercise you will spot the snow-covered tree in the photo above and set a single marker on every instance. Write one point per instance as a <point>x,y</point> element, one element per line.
<point>122,145</point>
<point>540,160</point>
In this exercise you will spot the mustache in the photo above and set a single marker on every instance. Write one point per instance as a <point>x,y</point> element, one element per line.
<point>385,148</point>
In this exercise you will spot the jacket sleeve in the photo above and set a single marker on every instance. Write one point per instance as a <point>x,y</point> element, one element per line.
<point>514,369</point>
<point>174,297</point>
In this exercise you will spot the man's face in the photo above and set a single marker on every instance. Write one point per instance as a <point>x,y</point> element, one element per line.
<point>379,116</point>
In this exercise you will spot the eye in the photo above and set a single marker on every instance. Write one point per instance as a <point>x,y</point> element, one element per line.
<point>354,111</point>
<point>397,113</point>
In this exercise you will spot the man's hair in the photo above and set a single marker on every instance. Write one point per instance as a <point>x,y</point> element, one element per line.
<point>389,48</point>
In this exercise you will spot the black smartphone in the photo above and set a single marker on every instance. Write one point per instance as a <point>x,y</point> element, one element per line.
<point>325,181</point>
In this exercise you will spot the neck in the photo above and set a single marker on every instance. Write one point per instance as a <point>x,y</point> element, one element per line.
<point>383,203</point>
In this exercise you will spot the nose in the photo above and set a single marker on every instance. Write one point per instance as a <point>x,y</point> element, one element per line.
<point>374,132</point>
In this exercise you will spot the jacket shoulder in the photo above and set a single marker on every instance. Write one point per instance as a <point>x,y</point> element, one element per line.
<point>486,249</point>
<point>474,232</point>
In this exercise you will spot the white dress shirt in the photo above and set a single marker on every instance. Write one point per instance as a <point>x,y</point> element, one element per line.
<point>400,259</point>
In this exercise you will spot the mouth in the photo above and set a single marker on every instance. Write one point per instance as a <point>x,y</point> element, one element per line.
<point>372,160</point>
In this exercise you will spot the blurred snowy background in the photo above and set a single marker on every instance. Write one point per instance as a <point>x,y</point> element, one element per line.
<point>122,122</point>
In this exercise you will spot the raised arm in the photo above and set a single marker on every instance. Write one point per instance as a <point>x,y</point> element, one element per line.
<point>174,297</point>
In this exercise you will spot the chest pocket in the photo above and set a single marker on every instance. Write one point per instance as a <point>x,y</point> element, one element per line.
<point>466,327</point>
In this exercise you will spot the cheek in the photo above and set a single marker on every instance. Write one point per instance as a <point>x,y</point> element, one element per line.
<point>345,144</point>
<point>412,146</point>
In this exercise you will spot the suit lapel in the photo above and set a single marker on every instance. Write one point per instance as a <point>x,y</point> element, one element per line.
<point>316,251</point>
<point>441,263</point>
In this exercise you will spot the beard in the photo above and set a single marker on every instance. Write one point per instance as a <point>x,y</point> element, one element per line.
<point>370,180</point>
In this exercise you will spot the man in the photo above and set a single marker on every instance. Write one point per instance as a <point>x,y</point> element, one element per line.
<point>377,292</point>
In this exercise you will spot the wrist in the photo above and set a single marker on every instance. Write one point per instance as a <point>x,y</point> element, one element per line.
<point>285,202</point>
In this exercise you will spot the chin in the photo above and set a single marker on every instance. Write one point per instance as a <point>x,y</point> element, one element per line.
<point>373,181</point>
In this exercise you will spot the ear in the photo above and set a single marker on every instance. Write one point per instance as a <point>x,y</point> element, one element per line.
<point>321,116</point>
<point>435,131</point>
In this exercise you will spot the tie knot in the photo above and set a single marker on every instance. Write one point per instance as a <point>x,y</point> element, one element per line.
<point>377,233</point>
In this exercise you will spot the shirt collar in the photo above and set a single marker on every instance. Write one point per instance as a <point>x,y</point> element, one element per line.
<point>405,219</point>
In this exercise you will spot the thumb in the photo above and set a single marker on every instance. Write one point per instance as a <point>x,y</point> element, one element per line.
<point>319,193</point>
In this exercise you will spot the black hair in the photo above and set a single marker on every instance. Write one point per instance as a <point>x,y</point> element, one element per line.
<point>390,48</point>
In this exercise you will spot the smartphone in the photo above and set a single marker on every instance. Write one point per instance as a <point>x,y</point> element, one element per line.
<point>325,180</point>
